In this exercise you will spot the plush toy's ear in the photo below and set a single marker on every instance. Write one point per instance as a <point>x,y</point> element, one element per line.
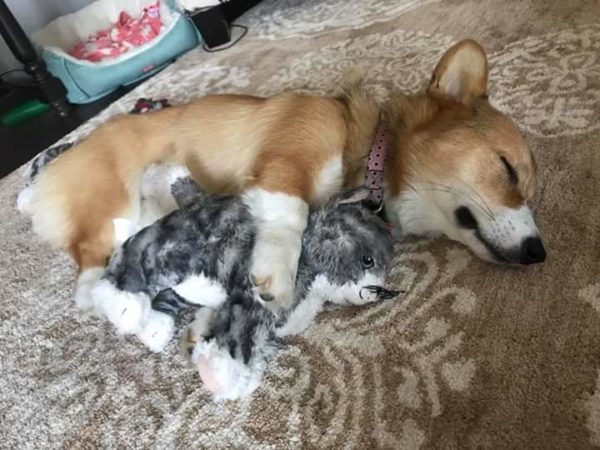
<point>462,73</point>
<point>353,196</point>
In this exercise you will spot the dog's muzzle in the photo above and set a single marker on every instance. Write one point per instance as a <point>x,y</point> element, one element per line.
<point>380,292</point>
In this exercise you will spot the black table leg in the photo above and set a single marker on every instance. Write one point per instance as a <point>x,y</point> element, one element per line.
<point>20,46</point>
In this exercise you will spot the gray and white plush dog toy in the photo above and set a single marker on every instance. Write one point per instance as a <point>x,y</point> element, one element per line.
<point>199,255</point>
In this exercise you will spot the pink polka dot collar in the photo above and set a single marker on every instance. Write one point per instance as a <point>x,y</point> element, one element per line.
<point>374,174</point>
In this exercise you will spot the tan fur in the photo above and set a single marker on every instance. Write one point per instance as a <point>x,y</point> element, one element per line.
<point>229,143</point>
<point>307,133</point>
<point>452,133</point>
<point>281,144</point>
<point>461,74</point>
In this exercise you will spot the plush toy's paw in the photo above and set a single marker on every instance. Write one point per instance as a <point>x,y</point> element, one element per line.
<point>86,282</point>
<point>225,377</point>
<point>157,331</point>
<point>125,310</point>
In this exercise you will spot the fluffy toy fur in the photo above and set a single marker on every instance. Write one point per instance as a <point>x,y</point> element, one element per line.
<point>200,255</point>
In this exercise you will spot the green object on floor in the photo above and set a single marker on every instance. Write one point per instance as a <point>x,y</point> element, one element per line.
<point>23,112</point>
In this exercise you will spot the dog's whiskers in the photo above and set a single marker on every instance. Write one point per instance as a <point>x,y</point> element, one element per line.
<point>450,190</point>
<point>480,198</point>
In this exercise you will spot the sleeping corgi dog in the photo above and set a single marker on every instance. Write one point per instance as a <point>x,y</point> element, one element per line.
<point>455,166</point>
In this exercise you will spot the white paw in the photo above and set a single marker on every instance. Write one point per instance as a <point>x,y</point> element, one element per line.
<point>157,331</point>
<point>24,199</point>
<point>88,278</point>
<point>157,181</point>
<point>274,264</point>
<point>225,377</point>
<point>124,229</point>
<point>177,173</point>
<point>281,220</point>
<point>125,310</point>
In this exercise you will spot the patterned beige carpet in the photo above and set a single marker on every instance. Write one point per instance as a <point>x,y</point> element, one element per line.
<point>474,356</point>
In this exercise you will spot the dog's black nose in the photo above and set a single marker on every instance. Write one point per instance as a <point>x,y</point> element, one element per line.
<point>532,251</point>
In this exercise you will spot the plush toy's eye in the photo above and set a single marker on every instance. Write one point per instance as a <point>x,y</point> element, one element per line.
<point>367,262</point>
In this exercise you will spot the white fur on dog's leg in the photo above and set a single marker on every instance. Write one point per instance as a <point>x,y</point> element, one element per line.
<point>124,229</point>
<point>125,310</point>
<point>274,265</point>
<point>24,199</point>
<point>157,331</point>
<point>281,220</point>
<point>85,283</point>
<point>226,378</point>
<point>150,211</point>
<point>156,184</point>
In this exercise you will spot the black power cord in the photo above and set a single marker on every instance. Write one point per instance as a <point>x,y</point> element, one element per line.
<point>3,74</point>
<point>229,45</point>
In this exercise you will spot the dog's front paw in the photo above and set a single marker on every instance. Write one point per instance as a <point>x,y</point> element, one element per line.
<point>86,283</point>
<point>273,273</point>
<point>157,331</point>
<point>156,185</point>
<point>280,222</point>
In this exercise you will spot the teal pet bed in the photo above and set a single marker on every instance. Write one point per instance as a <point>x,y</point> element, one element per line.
<point>87,81</point>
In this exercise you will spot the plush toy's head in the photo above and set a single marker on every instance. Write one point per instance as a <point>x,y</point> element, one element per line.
<point>349,248</point>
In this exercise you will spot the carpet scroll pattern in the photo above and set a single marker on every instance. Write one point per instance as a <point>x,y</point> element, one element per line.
<point>471,356</point>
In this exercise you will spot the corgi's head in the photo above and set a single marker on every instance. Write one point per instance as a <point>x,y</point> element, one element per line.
<point>461,167</point>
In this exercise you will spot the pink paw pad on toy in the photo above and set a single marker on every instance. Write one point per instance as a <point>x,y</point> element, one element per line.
<point>225,377</point>
<point>207,376</point>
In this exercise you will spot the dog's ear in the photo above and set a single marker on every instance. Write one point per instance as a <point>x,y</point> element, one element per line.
<point>352,196</point>
<point>462,73</point>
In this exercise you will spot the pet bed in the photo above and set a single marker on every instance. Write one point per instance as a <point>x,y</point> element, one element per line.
<point>87,81</point>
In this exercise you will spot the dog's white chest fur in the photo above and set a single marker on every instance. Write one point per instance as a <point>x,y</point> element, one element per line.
<point>416,214</point>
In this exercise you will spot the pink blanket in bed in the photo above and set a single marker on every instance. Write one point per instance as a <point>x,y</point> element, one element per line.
<point>124,35</point>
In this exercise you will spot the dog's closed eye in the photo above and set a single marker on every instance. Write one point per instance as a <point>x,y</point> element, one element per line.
<point>513,176</point>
